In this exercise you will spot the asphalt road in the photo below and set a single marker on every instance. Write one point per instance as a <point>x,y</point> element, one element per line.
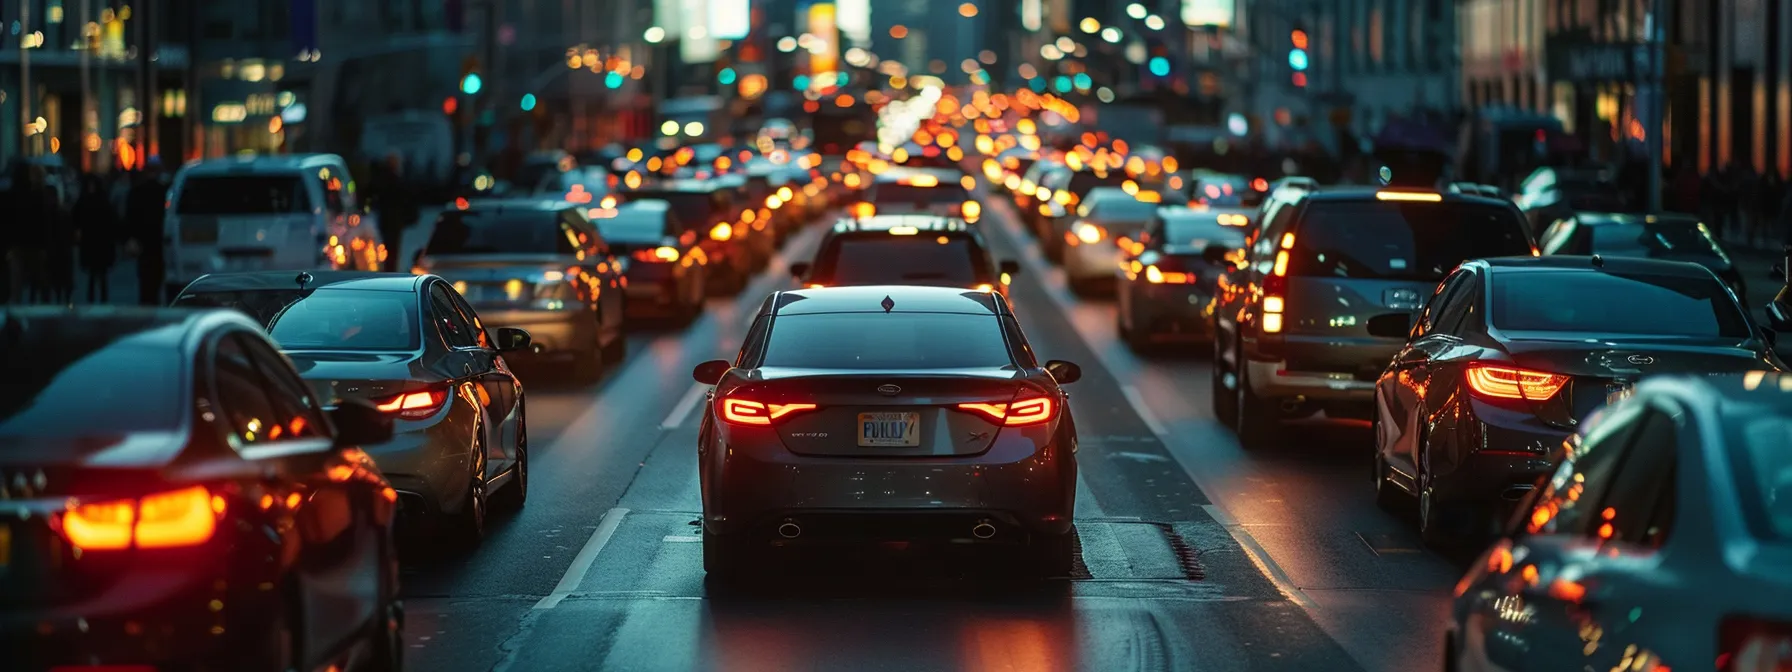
<point>1195,555</point>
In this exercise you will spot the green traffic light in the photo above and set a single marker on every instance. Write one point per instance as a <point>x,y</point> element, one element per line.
<point>528,102</point>
<point>471,83</point>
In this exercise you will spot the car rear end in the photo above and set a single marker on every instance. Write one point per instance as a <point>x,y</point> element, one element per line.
<point>710,213</point>
<point>919,195</point>
<point>1092,243</point>
<point>517,269</point>
<point>663,263</point>
<point>1172,288</point>
<point>1353,257</point>
<point>235,219</point>
<point>905,255</point>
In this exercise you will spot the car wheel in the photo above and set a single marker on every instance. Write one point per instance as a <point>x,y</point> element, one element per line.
<point>1387,495</point>
<point>1054,555</point>
<point>515,495</point>
<point>1258,424</point>
<point>468,524</point>
<point>388,639</point>
<point>1225,401</point>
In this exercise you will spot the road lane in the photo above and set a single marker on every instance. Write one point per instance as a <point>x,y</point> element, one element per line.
<point>1371,584</point>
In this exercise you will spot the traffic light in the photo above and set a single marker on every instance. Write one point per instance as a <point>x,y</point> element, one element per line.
<point>528,103</point>
<point>471,83</point>
<point>1160,66</point>
<point>1298,59</point>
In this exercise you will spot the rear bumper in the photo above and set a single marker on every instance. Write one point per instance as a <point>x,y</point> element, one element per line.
<point>1273,381</point>
<point>1498,456</point>
<point>845,499</point>
<point>1171,311</point>
<point>1091,261</point>
<point>430,466</point>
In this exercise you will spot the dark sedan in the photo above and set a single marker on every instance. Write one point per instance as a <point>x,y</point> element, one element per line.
<point>1168,278</point>
<point>1510,353</point>
<point>866,414</point>
<point>411,346</point>
<point>667,272</point>
<point>1673,237</point>
<point>906,249</point>
<point>177,498</point>
<point>1663,540</point>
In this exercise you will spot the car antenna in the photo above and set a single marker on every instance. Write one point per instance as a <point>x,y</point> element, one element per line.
<point>1598,261</point>
<point>303,279</point>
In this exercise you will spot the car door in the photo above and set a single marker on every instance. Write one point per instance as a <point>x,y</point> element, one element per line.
<point>465,366</point>
<point>500,385</point>
<point>1403,386</point>
<point>277,423</point>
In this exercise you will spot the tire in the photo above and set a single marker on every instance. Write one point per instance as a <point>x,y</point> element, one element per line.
<point>1225,400</point>
<point>1435,521</point>
<point>1388,497</point>
<point>1258,425</point>
<point>516,494</point>
<point>387,635</point>
<point>1054,555</point>
<point>467,526</point>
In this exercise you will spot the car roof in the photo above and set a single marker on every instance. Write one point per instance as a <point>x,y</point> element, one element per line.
<point>684,186</point>
<point>512,205</point>
<point>54,329</point>
<point>292,162</point>
<point>1567,262</point>
<point>900,173</point>
<point>921,222</point>
<point>1358,194</point>
<point>269,280</point>
<point>870,299</point>
<point>645,205</point>
<point>1616,218</point>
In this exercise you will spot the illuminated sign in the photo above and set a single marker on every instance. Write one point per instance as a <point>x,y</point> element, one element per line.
<point>824,51</point>
<point>729,19</point>
<point>1208,12</point>
<point>229,113</point>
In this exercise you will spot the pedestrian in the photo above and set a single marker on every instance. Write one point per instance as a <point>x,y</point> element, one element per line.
<point>396,206</point>
<point>32,208</point>
<point>59,252</point>
<point>144,213</point>
<point>96,220</point>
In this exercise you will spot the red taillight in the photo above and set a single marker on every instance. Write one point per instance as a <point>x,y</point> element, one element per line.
<point>1157,276</point>
<point>863,210</point>
<point>1750,645</point>
<point>1024,412</point>
<point>658,255</point>
<point>184,517</point>
<point>749,412</point>
<point>1504,382</point>
<point>414,405</point>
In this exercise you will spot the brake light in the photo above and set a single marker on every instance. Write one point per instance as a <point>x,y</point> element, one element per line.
<point>184,517</point>
<point>749,412</point>
<point>1024,412</point>
<point>414,405</point>
<point>1504,382</point>
<point>1408,196</point>
<point>863,210</point>
<point>721,231</point>
<point>1089,233</point>
<point>1156,276</point>
<point>1748,645</point>
<point>658,254</point>
<point>972,210</point>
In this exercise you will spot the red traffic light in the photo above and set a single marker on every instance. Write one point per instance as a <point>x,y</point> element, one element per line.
<point>1300,79</point>
<point>450,105</point>
<point>1300,39</point>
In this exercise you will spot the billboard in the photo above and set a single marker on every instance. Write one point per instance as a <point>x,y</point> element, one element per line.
<point>824,54</point>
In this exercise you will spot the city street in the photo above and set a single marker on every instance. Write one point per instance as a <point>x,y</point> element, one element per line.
<point>1195,555</point>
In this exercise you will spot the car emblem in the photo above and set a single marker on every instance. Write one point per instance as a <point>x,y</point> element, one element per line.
<point>888,304</point>
<point>1640,360</point>
<point>976,436</point>
<point>889,390</point>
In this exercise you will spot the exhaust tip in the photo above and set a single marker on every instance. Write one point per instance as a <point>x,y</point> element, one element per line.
<point>790,531</point>
<point>983,531</point>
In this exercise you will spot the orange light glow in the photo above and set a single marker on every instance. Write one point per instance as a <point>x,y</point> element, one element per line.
<point>1025,412</point>
<point>863,210</point>
<point>747,412</point>
<point>1513,383</point>
<point>414,405</point>
<point>177,518</point>
<point>1569,591</point>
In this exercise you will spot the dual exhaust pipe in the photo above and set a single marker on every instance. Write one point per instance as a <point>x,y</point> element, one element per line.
<point>982,530</point>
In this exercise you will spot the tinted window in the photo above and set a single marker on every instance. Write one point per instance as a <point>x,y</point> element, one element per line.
<point>1194,234</point>
<point>899,194</point>
<point>242,195</point>
<point>527,232</point>
<point>1761,459</point>
<point>886,341</point>
<point>455,328</point>
<point>880,259</point>
<point>1660,239</point>
<point>1643,481</point>
<point>1121,210</point>
<point>324,319</point>
<point>1401,241</point>
<point>1615,303</point>
<point>691,207</point>
<point>88,384</point>
<point>243,394</point>
<point>634,226</point>
<point>1082,182</point>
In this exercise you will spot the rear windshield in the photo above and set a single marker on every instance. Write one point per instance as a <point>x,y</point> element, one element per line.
<point>324,319</point>
<point>886,341</point>
<point>633,226</point>
<point>242,195</point>
<point>1081,182</point>
<point>1614,303</point>
<point>897,194</point>
<point>1196,233</point>
<point>691,207</point>
<point>1120,209</point>
<point>89,384</point>
<point>1402,240</point>
<point>1659,239</point>
<point>883,259</point>
<point>475,232</point>
<point>1761,458</point>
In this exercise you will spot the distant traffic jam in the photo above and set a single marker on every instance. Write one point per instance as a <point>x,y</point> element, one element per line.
<point>1601,426</point>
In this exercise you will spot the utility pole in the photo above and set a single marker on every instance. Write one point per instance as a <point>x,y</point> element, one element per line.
<point>1657,98</point>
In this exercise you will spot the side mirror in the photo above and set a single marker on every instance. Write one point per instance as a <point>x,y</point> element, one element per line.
<point>799,270</point>
<point>1391,325</point>
<point>1009,266</point>
<point>1215,254</point>
<point>711,372</point>
<point>1064,372</point>
<point>512,339</point>
<point>359,424</point>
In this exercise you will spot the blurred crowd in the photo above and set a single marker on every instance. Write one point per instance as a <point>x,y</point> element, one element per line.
<point>1741,206</point>
<point>67,229</point>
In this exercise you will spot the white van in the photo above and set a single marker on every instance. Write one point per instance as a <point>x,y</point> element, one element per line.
<point>268,213</point>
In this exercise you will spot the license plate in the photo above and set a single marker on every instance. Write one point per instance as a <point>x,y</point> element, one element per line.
<point>1616,393</point>
<point>890,429</point>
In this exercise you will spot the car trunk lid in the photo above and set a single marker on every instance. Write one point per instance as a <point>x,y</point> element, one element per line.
<point>886,415</point>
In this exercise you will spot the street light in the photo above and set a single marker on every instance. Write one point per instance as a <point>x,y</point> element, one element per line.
<point>1154,22</point>
<point>1090,25</point>
<point>967,10</point>
<point>1111,34</point>
<point>1136,10</point>
<point>654,35</point>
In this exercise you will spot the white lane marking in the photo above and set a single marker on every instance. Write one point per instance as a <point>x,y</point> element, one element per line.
<point>1138,405</point>
<point>1259,556</point>
<point>581,564</point>
<point>686,404</point>
<point>681,539</point>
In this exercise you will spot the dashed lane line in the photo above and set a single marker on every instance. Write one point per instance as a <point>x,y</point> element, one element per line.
<point>686,404</point>
<point>581,564</point>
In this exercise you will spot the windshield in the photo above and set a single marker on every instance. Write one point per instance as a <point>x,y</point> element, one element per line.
<point>1616,303</point>
<point>633,226</point>
<point>691,207</point>
<point>1761,458</point>
<point>883,259</point>
<point>890,193</point>
<point>1194,234</point>
<point>1658,239</point>
<point>525,232</point>
<point>1402,241</point>
<point>324,319</point>
<point>242,195</point>
<point>887,341</point>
